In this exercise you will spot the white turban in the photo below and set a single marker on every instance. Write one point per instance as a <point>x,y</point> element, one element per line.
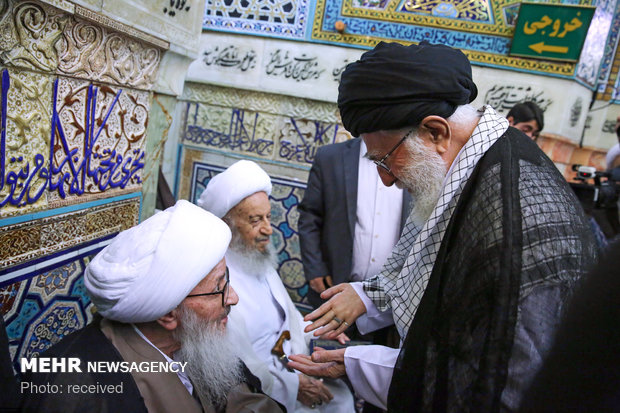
<point>612,154</point>
<point>225,190</point>
<point>146,271</point>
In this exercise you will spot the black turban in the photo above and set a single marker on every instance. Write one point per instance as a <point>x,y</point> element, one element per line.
<point>393,86</point>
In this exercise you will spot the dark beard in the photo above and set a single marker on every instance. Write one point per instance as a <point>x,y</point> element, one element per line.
<point>212,366</point>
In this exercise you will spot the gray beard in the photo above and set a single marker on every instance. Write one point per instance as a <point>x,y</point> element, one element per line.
<point>213,367</point>
<point>249,259</point>
<point>423,177</point>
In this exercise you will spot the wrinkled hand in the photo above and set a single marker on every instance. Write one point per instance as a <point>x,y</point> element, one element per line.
<point>344,304</point>
<point>318,284</point>
<point>312,392</point>
<point>322,363</point>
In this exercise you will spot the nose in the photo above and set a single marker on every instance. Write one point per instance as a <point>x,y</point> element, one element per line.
<point>266,227</point>
<point>386,177</point>
<point>233,298</point>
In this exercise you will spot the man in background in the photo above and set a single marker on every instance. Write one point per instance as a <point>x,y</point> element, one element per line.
<point>348,220</point>
<point>528,117</point>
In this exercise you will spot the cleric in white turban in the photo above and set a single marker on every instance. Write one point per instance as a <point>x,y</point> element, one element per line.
<point>139,276</point>
<point>162,294</point>
<point>240,195</point>
<point>227,189</point>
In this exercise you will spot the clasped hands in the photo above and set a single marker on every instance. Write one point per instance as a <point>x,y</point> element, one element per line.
<point>331,319</point>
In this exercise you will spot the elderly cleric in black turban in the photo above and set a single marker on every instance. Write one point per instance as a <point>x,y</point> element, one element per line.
<point>393,86</point>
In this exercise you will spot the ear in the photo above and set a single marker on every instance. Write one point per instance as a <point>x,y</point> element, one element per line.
<point>440,132</point>
<point>511,121</point>
<point>169,321</point>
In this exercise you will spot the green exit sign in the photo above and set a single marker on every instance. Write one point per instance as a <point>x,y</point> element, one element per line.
<point>550,31</point>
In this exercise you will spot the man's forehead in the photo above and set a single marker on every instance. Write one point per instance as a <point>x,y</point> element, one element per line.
<point>213,276</point>
<point>255,204</point>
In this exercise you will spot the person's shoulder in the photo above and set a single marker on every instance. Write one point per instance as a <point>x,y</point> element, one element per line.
<point>514,135</point>
<point>514,143</point>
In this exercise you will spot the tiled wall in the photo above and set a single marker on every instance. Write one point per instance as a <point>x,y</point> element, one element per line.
<point>42,295</point>
<point>77,146</point>
<point>482,29</point>
<point>273,128</point>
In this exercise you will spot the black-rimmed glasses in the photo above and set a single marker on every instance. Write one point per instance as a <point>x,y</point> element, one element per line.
<point>381,162</point>
<point>224,291</point>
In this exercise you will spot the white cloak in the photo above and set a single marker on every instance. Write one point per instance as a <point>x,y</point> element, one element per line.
<point>264,311</point>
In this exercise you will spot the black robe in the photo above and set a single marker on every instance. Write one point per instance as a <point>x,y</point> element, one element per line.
<point>582,372</point>
<point>515,246</point>
<point>88,344</point>
<point>10,395</point>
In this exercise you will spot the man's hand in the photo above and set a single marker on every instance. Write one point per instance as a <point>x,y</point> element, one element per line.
<point>337,314</point>
<point>312,392</point>
<point>342,338</point>
<point>322,363</point>
<point>319,284</point>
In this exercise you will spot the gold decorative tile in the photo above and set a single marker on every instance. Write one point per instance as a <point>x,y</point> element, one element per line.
<point>24,242</point>
<point>99,147</point>
<point>260,101</point>
<point>233,129</point>
<point>29,31</point>
<point>91,51</point>
<point>19,244</point>
<point>64,233</point>
<point>190,156</point>
<point>160,121</point>
<point>28,129</point>
<point>263,125</point>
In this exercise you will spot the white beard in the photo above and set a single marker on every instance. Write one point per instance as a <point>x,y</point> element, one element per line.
<point>212,366</point>
<point>250,259</point>
<point>423,177</point>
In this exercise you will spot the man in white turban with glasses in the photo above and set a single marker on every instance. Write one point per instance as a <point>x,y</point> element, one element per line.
<point>162,292</point>
<point>265,314</point>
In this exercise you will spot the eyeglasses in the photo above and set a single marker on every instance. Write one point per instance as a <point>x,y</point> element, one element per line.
<point>381,162</point>
<point>224,291</point>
